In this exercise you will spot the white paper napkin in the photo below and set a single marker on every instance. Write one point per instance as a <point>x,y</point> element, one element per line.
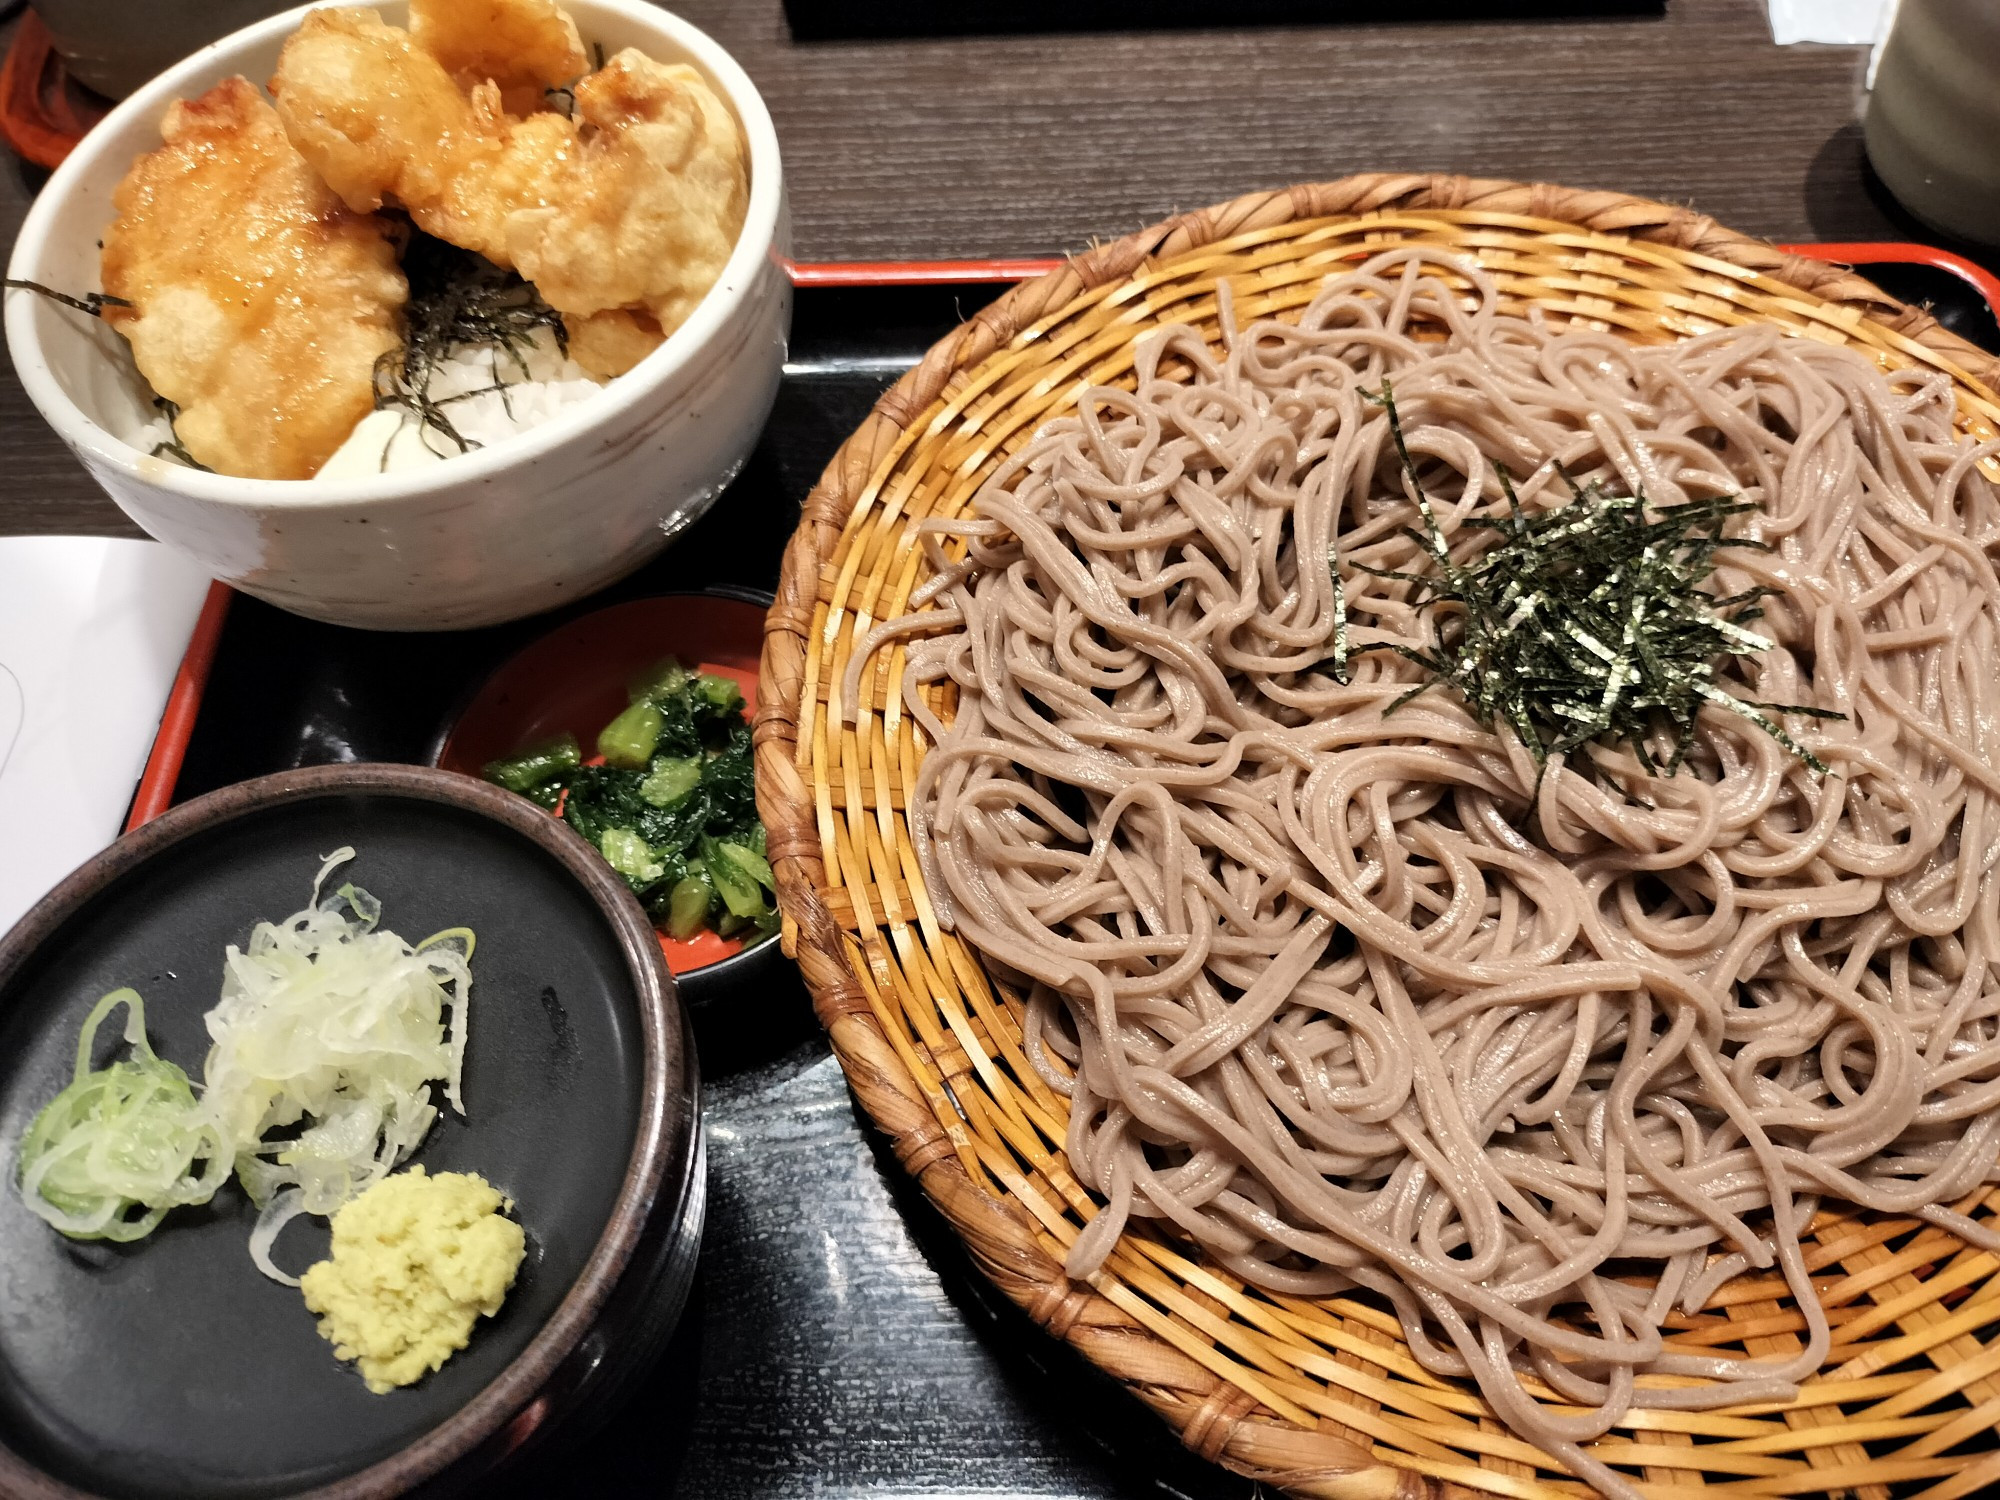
<point>1850,22</point>
<point>92,630</point>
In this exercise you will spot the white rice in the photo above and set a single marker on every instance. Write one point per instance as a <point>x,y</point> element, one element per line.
<point>393,439</point>
<point>464,385</point>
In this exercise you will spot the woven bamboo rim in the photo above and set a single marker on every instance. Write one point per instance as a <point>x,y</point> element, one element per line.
<point>1318,1398</point>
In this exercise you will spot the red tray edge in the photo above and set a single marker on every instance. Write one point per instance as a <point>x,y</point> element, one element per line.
<point>1900,252</point>
<point>163,766</point>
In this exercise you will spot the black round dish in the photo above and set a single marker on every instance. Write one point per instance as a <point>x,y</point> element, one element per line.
<point>519,702</point>
<point>171,1367</point>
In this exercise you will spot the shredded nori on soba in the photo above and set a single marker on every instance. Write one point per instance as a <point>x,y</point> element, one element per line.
<point>458,300</point>
<point>1589,621</point>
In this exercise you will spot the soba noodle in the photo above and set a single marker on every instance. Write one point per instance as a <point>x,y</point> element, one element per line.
<point>1329,994</point>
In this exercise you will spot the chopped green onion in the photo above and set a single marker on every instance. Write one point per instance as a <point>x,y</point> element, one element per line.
<point>331,1022</point>
<point>120,1138</point>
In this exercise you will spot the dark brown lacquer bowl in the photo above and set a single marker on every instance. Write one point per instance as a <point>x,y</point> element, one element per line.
<point>172,1369</point>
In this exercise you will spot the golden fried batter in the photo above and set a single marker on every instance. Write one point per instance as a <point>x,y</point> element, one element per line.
<point>611,342</point>
<point>652,214</point>
<point>522,47</point>
<point>381,120</point>
<point>632,207</point>
<point>259,302</point>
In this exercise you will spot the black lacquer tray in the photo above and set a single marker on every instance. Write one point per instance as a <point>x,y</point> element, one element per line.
<point>838,1342</point>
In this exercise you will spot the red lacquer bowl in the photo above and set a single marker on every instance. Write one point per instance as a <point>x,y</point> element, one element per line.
<point>573,680</point>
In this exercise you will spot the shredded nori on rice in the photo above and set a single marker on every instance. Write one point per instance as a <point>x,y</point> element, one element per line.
<point>172,447</point>
<point>458,300</point>
<point>92,303</point>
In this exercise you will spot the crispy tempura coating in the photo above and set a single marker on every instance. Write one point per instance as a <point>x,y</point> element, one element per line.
<point>382,120</point>
<point>260,302</point>
<point>354,95</point>
<point>652,215</point>
<point>523,47</point>
<point>609,343</point>
<point>632,207</point>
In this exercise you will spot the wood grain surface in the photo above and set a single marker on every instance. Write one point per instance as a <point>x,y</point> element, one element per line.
<point>985,145</point>
<point>839,1345</point>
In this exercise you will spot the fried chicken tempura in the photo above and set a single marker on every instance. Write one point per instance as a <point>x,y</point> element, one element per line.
<point>381,120</point>
<point>522,47</point>
<point>623,217</point>
<point>259,301</point>
<point>654,209</point>
<point>610,343</point>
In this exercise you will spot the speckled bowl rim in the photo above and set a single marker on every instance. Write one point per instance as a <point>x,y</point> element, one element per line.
<point>669,1070</point>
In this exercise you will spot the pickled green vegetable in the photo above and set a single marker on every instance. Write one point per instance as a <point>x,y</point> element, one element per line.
<point>673,809</point>
<point>662,681</point>
<point>720,693</point>
<point>670,779</point>
<point>737,885</point>
<point>630,856</point>
<point>687,907</point>
<point>524,773</point>
<point>627,742</point>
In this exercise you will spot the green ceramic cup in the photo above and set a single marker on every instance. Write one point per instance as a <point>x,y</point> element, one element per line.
<point>1933,124</point>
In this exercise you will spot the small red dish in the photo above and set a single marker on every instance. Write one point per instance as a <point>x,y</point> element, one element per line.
<point>573,681</point>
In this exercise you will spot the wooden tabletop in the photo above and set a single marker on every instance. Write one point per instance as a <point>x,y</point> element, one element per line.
<point>990,145</point>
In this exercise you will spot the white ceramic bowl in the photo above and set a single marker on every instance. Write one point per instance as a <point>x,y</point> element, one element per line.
<point>492,535</point>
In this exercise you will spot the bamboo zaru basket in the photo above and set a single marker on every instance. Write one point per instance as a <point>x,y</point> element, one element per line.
<point>1320,1398</point>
